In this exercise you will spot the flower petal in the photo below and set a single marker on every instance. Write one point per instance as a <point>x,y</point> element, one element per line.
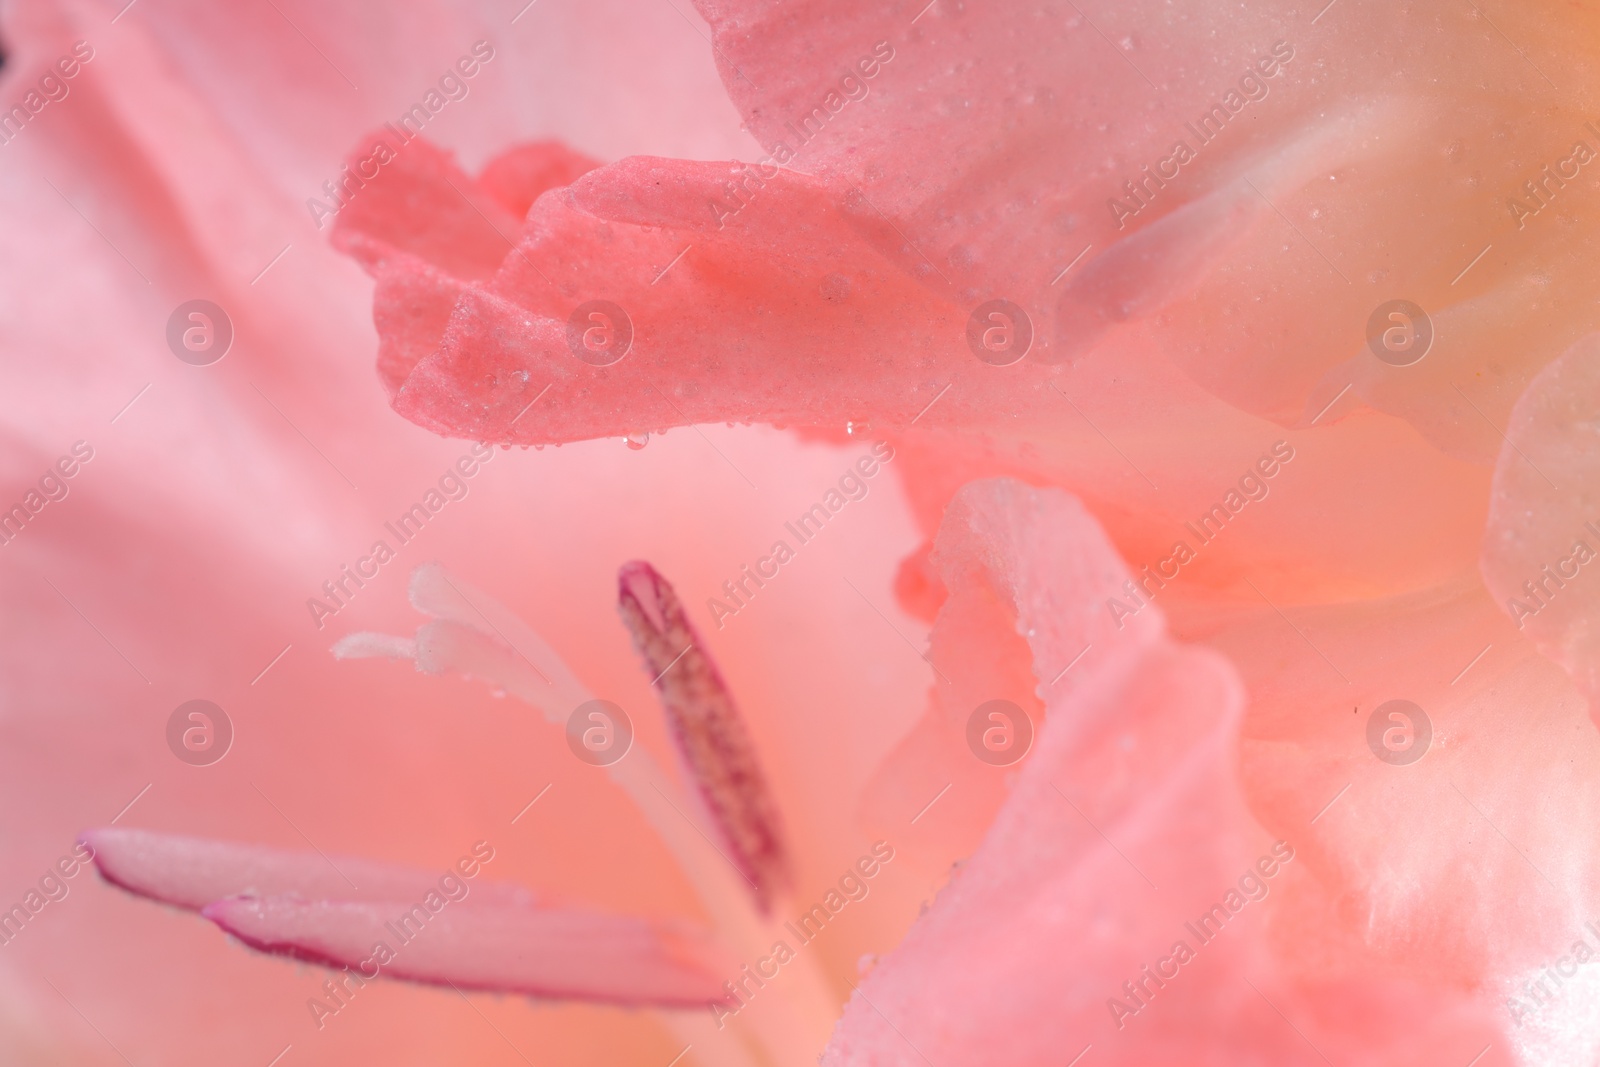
<point>771,289</point>
<point>1124,827</point>
<point>1136,751</point>
<point>1008,143</point>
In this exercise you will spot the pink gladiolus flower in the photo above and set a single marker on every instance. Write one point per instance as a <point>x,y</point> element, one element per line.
<point>1141,608</point>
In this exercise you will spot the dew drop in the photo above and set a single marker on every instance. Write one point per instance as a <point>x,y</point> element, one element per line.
<point>856,429</point>
<point>637,441</point>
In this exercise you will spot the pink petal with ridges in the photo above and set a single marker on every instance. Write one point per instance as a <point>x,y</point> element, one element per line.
<point>425,229</point>
<point>781,285</point>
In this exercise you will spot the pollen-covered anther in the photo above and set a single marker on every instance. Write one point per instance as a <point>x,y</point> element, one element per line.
<point>709,732</point>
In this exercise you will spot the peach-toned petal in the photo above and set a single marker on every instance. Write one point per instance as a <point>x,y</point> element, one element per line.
<point>1128,788</point>
<point>1123,828</point>
<point>1384,843</point>
<point>1005,144</point>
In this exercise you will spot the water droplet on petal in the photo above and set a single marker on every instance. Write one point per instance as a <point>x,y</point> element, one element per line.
<point>637,441</point>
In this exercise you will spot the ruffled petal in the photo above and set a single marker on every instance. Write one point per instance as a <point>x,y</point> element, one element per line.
<point>1124,829</point>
